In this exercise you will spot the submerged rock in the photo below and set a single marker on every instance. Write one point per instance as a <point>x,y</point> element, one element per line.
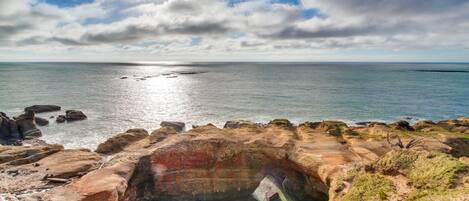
<point>60,119</point>
<point>74,115</point>
<point>41,121</point>
<point>43,108</point>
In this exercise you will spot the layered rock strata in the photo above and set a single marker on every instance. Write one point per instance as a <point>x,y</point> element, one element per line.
<point>247,161</point>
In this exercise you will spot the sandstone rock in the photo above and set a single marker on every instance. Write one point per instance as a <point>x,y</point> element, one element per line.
<point>329,127</point>
<point>161,133</point>
<point>41,121</point>
<point>74,115</point>
<point>449,124</point>
<point>118,142</point>
<point>281,123</point>
<point>402,125</point>
<point>69,163</point>
<point>26,154</point>
<point>26,125</point>
<point>209,163</point>
<point>178,126</point>
<point>60,119</point>
<point>425,124</point>
<point>240,123</point>
<point>42,108</point>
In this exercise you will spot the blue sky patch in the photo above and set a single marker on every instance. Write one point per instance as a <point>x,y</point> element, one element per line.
<point>310,13</point>
<point>67,3</point>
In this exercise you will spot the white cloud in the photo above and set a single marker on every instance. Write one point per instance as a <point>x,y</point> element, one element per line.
<point>167,27</point>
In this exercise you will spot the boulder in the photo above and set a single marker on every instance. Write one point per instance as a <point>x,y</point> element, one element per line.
<point>285,123</point>
<point>74,115</point>
<point>178,126</point>
<point>240,123</point>
<point>70,163</point>
<point>118,142</point>
<point>402,125</point>
<point>160,134</point>
<point>425,124</point>
<point>330,127</point>
<point>9,133</point>
<point>60,119</point>
<point>26,125</point>
<point>42,108</point>
<point>27,154</point>
<point>41,121</point>
<point>449,124</point>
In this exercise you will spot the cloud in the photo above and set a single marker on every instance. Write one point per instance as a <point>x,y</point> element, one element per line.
<point>222,26</point>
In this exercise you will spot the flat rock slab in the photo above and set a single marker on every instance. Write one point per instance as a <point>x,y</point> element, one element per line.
<point>43,108</point>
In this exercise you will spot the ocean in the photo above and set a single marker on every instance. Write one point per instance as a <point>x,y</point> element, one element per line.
<point>201,93</point>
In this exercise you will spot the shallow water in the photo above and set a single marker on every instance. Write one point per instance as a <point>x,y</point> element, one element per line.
<point>254,91</point>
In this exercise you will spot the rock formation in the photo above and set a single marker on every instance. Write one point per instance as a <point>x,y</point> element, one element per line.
<point>41,121</point>
<point>279,161</point>
<point>74,115</point>
<point>13,131</point>
<point>43,108</point>
<point>178,126</point>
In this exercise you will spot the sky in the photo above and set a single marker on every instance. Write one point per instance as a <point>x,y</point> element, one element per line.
<point>234,30</point>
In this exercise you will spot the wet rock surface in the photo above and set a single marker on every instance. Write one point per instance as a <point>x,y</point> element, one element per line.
<point>326,160</point>
<point>74,115</point>
<point>43,108</point>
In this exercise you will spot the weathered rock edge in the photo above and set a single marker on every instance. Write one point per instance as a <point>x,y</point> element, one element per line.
<point>309,161</point>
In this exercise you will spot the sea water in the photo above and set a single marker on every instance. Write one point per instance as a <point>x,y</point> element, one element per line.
<point>200,93</point>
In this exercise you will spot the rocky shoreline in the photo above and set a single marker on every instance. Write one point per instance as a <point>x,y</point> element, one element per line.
<point>326,160</point>
<point>23,128</point>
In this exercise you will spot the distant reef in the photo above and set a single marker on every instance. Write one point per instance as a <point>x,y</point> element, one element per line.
<point>444,71</point>
<point>244,161</point>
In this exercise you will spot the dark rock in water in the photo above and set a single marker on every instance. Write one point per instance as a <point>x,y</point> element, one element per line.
<point>74,115</point>
<point>363,123</point>
<point>51,117</point>
<point>443,71</point>
<point>41,121</point>
<point>9,133</point>
<point>60,119</point>
<point>190,72</point>
<point>26,125</point>
<point>402,125</point>
<point>43,108</point>
<point>124,77</point>
<point>178,126</point>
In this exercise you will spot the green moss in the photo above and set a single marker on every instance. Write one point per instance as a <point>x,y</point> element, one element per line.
<point>438,195</point>
<point>432,174</point>
<point>368,186</point>
<point>435,171</point>
<point>395,161</point>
